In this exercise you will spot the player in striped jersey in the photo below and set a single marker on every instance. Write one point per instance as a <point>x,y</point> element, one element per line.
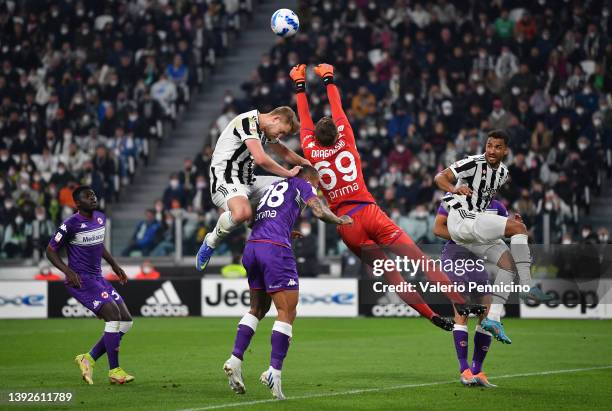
<point>239,148</point>
<point>472,183</point>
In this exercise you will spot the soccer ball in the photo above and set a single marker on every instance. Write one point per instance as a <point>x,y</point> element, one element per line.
<point>284,23</point>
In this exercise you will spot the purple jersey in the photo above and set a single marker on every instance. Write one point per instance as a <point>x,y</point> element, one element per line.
<point>84,241</point>
<point>278,209</point>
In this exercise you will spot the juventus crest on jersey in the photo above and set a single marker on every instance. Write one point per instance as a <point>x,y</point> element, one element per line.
<point>232,162</point>
<point>478,175</point>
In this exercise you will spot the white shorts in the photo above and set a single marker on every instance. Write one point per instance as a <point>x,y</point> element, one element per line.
<point>225,191</point>
<point>481,233</point>
<point>466,227</point>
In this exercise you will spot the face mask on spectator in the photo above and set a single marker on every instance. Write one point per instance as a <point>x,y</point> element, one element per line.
<point>24,186</point>
<point>409,97</point>
<point>585,233</point>
<point>548,206</point>
<point>376,153</point>
<point>582,146</point>
<point>22,136</point>
<point>33,118</point>
<point>354,74</point>
<point>1,185</point>
<point>603,238</point>
<point>395,215</point>
<point>201,185</point>
<point>327,112</point>
<point>8,204</point>
<point>133,117</point>
<point>146,269</point>
<point>587,90</point>
<point>61,170</point>
<point>553,109</point>
<point>516,91</point>
<point>579,111</point>
<point>372,130</point>
<point>54,13</point>
<point>40,216</point>
<point>565,126</point>
<point>566,241</point>
<point>316,26</point>
<point>373,183</point>
<point>480,90</point>
<point>327,6</point>
<point>362,24</point>
<point>400,148</point>
<point>265,90</point>
<point>562,146</point>
<point>352,6</point>
<point>382,132</point>
<point>597,122</point>
<point>563,92</point>
<point>174,184</point>
<point>67,135</point>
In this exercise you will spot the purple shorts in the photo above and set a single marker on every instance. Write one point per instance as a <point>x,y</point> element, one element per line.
<point>270,267</point>
<point>94,293</point>
<point>467,268</point>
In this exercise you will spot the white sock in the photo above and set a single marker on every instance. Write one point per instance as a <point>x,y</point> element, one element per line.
<point>224,226</point>
<point>504,277</point>
<point>124,326</point>
<point>111,327</point>
<point>250,321</point>
<point>519,248</point>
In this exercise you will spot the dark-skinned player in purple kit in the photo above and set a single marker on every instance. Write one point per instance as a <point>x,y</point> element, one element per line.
<point>82,235</point>
<point>272,272</point>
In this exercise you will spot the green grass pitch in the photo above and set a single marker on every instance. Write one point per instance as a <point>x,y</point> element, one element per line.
<point>333,364</point>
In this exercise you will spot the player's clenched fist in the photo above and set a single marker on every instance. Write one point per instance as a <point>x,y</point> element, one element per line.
<point>298,73</point>
<point>463,190</point>
<point>324,70</point>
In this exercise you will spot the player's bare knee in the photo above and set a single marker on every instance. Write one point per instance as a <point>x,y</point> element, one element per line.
<point>242,214</point>
<point>110,312</point>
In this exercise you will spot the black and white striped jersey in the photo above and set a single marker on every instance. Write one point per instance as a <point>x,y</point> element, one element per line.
<point>477,174</point>
<point>232,162</point>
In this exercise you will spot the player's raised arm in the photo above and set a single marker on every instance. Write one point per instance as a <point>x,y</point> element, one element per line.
<point>323,213</point>
<point>287,154</point>
<point>266,162</point>
<point>298,75</point>
<point>326,72</point>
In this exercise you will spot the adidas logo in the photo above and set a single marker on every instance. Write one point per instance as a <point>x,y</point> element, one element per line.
<point>165,302</point>
<point>291,283</point>
<point>73,308</point>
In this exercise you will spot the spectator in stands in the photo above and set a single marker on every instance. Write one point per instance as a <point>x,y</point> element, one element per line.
<point>45,273</point>
<point>174,193</point>
<point>145,237</point>
<point>147,271</point>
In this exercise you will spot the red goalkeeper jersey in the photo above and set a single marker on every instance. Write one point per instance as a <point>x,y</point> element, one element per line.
<point>339,165</point>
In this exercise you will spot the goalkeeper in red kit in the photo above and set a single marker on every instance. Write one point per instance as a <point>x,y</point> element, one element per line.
<point>330,147</point>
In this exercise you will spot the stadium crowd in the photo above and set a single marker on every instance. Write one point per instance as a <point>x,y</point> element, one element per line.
<point>86,89</point>
<point>423,82</point>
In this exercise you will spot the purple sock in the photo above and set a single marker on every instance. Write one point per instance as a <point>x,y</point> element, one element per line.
<point>281,336</point>
<point>482,342</point>
<point>242,341</point>
<point>460,336</point>
<point>111,342</point>
<point>99,349</point>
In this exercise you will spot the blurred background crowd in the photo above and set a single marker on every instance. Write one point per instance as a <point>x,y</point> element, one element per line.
<point>87,88</point>
<point>422,83</point>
